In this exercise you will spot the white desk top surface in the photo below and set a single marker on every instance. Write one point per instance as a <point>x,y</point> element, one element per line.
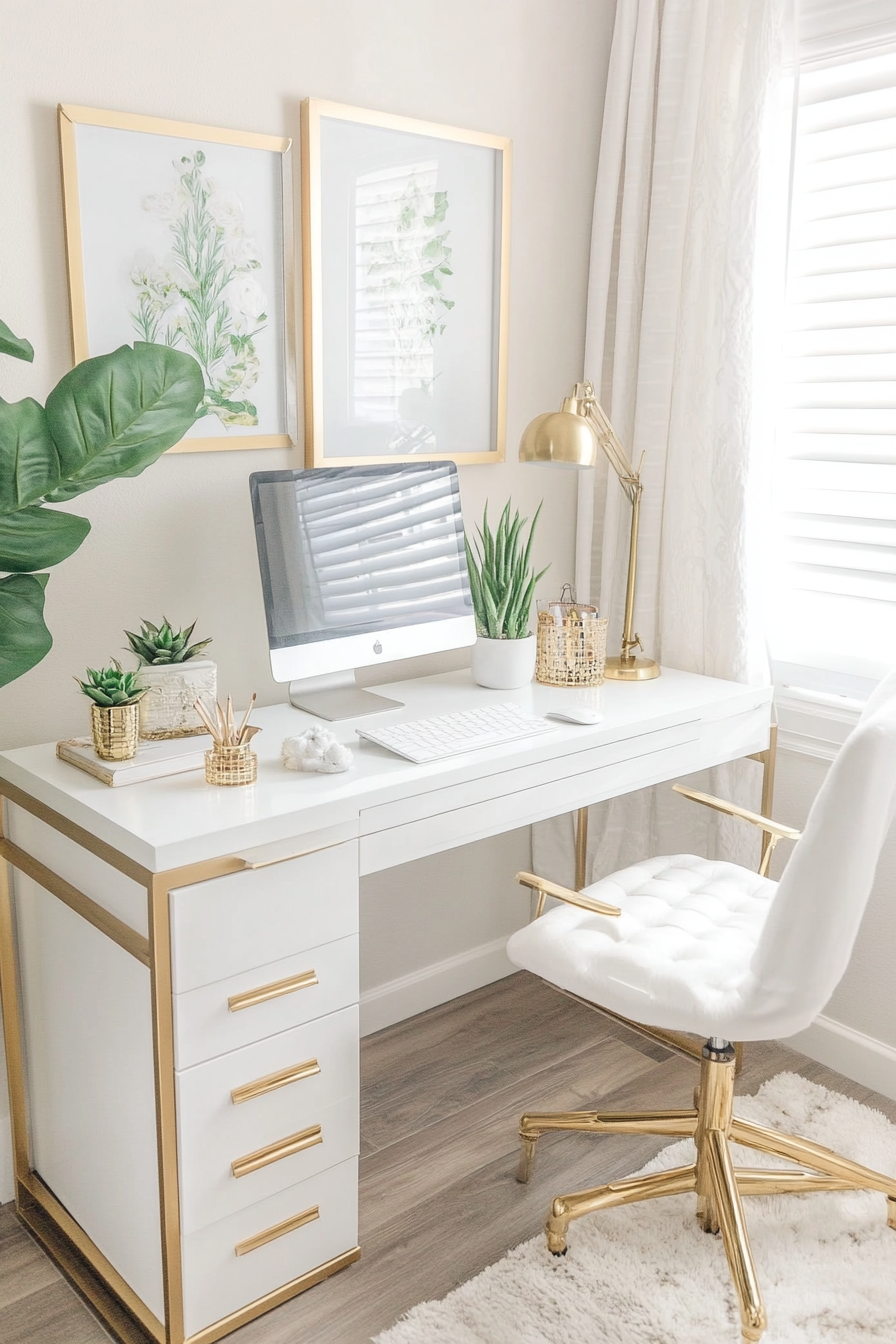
<point>180,819</point>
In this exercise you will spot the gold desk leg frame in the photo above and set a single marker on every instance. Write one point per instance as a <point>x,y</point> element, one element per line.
<point>127,1318</point>
<point>688,1045</point>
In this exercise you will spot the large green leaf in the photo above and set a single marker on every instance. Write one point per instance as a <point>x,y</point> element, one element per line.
<point>29,462</point>
<point>24,638</point>
<point>17,346</point>
<point>34,538</point>
<point>114,415</point>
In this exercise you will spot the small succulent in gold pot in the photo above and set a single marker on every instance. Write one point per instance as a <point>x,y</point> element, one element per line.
<point>114,713</point>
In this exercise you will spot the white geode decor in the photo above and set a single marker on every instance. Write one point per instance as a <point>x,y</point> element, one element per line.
<point>167,708</point>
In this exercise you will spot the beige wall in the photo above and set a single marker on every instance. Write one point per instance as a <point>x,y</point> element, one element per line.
<point>177,539</point>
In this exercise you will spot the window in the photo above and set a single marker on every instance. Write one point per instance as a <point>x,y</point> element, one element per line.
<point>833,596</point>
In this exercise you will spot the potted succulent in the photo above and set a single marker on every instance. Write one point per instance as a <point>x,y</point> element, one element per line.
<point>172,670</point>
<point>503,582</point>
<point>114,712</point>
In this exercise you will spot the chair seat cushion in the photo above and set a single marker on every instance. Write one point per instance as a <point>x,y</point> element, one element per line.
<point>678,956</point>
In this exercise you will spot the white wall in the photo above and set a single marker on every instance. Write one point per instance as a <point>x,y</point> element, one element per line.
<point>177,539</point>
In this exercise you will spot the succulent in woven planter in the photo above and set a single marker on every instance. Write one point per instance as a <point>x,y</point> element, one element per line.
<point>110,686</point>
<point>162,645</point>
<point>114,712</point>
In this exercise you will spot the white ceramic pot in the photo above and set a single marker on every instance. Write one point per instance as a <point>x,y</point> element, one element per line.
<point>167,708</point>
<point>503,664</point>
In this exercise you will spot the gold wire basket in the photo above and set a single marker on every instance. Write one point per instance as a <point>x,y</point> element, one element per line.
<point>116,731</point>
<point>571,645</point>
<point>231,765</point>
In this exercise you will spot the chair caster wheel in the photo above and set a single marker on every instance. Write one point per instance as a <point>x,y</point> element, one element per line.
<point>557,1254</point>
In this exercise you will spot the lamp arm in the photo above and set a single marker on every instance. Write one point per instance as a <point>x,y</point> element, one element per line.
<point>609,440</point>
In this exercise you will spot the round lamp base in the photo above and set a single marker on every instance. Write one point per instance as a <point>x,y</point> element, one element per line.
<point>631,669</point>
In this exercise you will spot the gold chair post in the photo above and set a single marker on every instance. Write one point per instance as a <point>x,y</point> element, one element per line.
<point>581,848</point>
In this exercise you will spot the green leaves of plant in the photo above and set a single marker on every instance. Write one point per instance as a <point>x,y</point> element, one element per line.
<point>502,582</point>
<point>111,416</point>
<point>24,638</point>
<point>34,537</point>
<point>158,645</point>
<point>17,346</point>
<point>114,415</point>
<point>29,462</point>
<point>112,685</point>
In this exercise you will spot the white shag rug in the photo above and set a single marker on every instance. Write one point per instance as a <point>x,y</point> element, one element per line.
<point>647,1274</point>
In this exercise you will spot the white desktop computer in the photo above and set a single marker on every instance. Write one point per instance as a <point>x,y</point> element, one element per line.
<point>359,566</point>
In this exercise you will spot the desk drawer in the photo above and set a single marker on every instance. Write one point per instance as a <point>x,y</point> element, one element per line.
<point>215,1129</point>
<point>218,1280</point>
<point>231,924</point>
<point>443,818</point>
<point>297,989</point>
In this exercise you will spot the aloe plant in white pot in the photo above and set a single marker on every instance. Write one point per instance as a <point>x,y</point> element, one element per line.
<point>502,584</point>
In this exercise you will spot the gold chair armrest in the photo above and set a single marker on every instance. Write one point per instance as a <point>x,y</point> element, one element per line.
<point>732,810</point>
<point>546,888</point>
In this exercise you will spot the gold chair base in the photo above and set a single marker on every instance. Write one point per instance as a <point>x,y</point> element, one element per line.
<point>717,1183</point>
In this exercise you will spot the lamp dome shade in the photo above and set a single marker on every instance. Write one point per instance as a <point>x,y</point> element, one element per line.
<point>559,437</point>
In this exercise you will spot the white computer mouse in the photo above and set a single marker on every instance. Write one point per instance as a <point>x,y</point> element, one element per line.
<point>575,714</point>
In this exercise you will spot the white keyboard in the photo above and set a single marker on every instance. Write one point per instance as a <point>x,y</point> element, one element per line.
<point>422,740</point>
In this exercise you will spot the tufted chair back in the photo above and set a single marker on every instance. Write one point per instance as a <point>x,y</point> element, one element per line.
<point>809,934</point>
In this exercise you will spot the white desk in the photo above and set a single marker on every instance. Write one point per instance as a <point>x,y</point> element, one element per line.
<point>179,977</point>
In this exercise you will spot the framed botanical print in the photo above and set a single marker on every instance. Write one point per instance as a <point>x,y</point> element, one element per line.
<point>181,235</point>
<point>406,230</point>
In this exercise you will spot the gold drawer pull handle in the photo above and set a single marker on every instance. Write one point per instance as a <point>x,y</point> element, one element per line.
<point>280,1230</point>
<point>275,1152</point>
<point>272,991</point>
<point>271,1081</point>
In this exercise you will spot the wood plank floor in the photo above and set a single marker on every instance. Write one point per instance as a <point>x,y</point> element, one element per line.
<point>441,1096</point>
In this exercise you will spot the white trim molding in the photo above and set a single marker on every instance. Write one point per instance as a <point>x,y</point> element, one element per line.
<point>434,984</point>
<point>813,726</point>
<point>863,1058</point>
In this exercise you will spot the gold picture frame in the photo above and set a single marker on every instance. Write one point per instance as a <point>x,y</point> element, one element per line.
<point>235,250</point>
<point>381,195</point>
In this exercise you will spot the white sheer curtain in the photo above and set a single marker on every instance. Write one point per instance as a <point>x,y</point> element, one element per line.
<point>669,347</point>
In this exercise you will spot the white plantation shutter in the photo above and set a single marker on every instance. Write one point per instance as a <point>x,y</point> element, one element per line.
<point>382,553</point>
<point>835,491</point>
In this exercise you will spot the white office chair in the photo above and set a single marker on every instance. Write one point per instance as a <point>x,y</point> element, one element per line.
<point>702,946</point>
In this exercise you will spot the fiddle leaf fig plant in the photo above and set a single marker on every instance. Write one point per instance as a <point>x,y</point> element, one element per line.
<point>110,416</point>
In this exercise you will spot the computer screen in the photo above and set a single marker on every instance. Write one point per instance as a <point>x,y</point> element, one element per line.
<point>361,565</point>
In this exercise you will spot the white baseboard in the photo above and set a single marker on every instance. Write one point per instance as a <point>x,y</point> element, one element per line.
<point>7,1187</point>
<point>434,984</point>
<point>863,1058</point>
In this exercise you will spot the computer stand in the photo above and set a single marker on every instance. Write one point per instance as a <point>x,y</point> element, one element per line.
<point>337,696</point>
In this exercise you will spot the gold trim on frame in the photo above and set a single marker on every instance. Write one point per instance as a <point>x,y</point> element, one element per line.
<point>71,115</point>
<point>88,909</point>
<point>312,278</point>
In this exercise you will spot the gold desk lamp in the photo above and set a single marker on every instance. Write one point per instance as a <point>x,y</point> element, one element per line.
<point>571,437</point>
